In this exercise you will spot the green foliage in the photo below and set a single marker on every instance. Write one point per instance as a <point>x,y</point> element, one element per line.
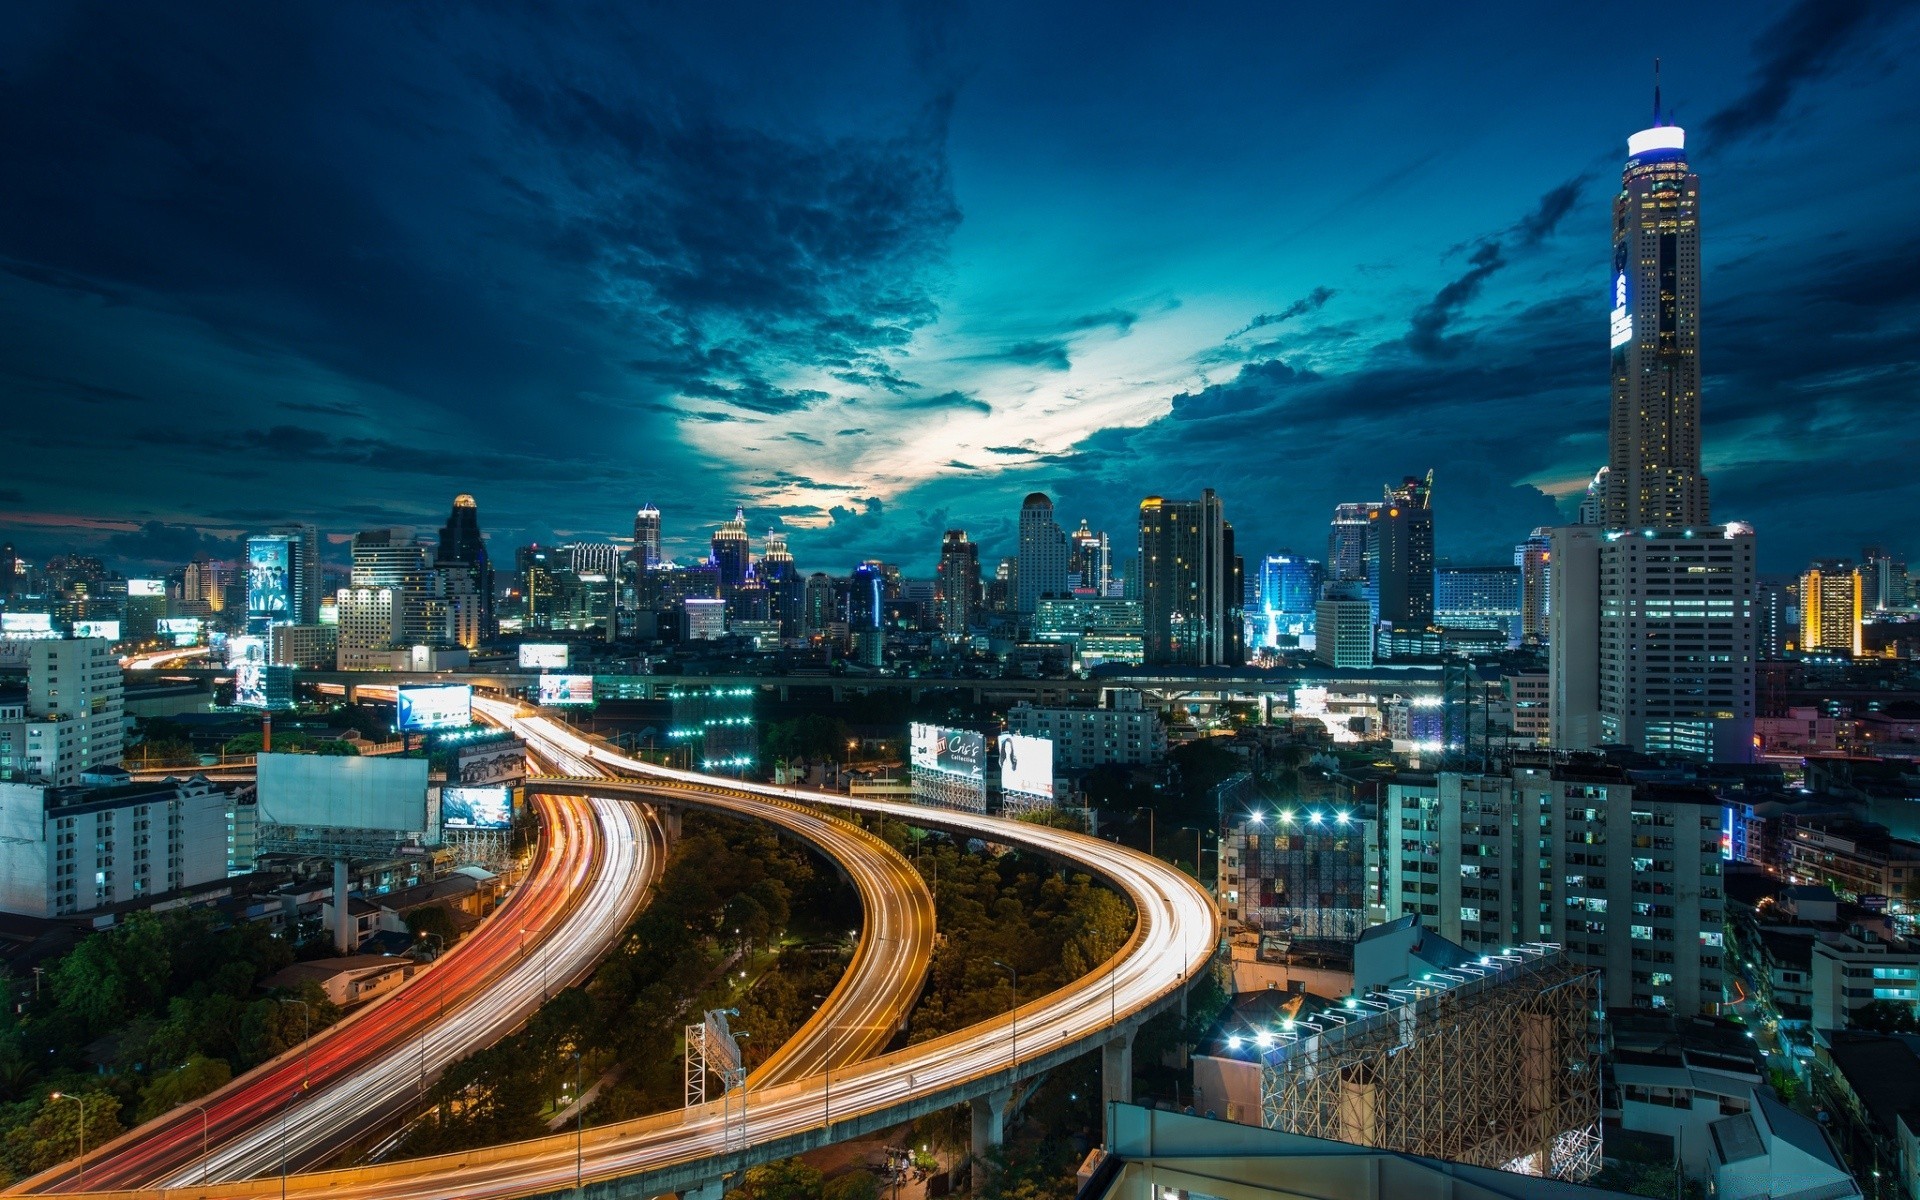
<point>291,743</point>
<point>858,1184</point>
<point>1886,1016</point>
<point>1785,1084</point>
<point>168,752</point>
<point>436,920</point>
<point>784,1179</point>
<point>1019,911</point>
<point>813,736</point>
<point>51,1131</point>
<point>189,1081</point>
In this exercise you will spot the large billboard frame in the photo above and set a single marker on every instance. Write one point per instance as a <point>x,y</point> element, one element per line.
<point>959,753</point>
<point>1026,765</point>
<point>564,691</point>
<point>423,708</point>
<point>544,656</point>
<point>467,807</point>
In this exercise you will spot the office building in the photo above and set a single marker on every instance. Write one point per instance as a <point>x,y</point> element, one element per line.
<point>370,622</point>
<point>1122,731</point>
<point>1776,618</point>
<point>75,712</point>
<point>732,551</point>
<point>957,586</point>
<point>73,850</point>
<point>1884,586</point>
<point>1089,562</point>
<point>706,619</point>
<point>1528,696</point>
<point>1479,598</point>
<point>1043,555</point>
<point>466,573</point>
<point>1289,594</point>
<point>1534,558</point>
<point>1347,542</point>
<point>1860,967</point>
<point>1343,626</point>
<point>1653,477</point>
<point>1100,630</point>
<point>1830,608</point>
<point>646,537</point>
<point>1399,555</point>
<point>820,607</point>
<point>786,587</point>
<point>304,574</point>
<point>309,647</point>
<point>1191,583</point>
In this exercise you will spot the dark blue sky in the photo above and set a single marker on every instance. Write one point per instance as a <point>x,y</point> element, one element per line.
<point>875,271</point>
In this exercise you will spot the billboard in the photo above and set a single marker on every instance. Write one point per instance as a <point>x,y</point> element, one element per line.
<point>146,587</point>
<point>1026,764</point>
<point>490,762</point>
<point>248,658</point>
<point>177,628</point>
<point>268,567</point>
<point>961,752</point>
<point>476,808</point>
<point>319,791</point>
<point>109,630</point>
<point>436,706</point>
<point>27,625</point>
<point>565,690</point>
<point>543,655</point>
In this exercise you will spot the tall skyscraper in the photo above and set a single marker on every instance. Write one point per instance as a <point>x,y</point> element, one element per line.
<point>1043,555</point>
<point>1776,618</point>
<point>1534,557</point>
<point>1089,561</point>
<point>732,551</point>
<point>1191,583</point>
<point>1399,555</point>
<point>646,537</point>
<point>1347,542</point>
<point>1651,617</point>
<point>461,561</point>
<point>303,577</point>
<point>1289,594</point>
<point>958,593</point>
<point>1884,586</point>
<point>786,589</point>
<point>1653,460</point>
<point>1830,607</point>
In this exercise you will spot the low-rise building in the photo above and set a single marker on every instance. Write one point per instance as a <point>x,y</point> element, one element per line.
<point>1851,970</point>
<point>1122,731</point>
<point>347,981</point>
<point>1861,862</point>
<point>1771,1151</point>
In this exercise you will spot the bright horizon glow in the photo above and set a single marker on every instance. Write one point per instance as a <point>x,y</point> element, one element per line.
<point>1660,137</point>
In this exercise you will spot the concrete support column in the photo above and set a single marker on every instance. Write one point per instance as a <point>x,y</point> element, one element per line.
<point>670,821</point>
<point>345,938</point>
<point>989,1122</point>
<point>707,1191</point>
<point>1116,1069</point>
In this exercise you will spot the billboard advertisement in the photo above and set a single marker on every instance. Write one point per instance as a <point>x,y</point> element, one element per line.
<point>1026,765</point>
<point>319,791</point>
<point>27,625</point>
<point>248,658</point>
<point>543,655</point>
<point>961,752</point>
<point>565,690</point>
<point>178,627</point>
<point>476,808</point>
<point>109,630</point>
<point>268,568</point>
<point>491,762</point>
<point>436,706</point>
<point>146,587</point>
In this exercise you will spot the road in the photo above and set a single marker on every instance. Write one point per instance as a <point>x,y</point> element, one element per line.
<point>597,859</point>
<point>1175,932</point>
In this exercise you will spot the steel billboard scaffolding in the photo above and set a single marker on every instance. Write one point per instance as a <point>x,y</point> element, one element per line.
<point>1493,1063</point>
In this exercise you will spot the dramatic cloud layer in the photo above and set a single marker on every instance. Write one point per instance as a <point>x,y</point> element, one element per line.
<point>877,271</point>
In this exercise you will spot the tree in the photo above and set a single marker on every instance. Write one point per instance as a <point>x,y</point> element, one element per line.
<point>1886,1016</point>
<point>784,1179</point>
<point>189,1081</point>
<point>854,1185</point>
<point>436,920</point>
<point>52,1135</point>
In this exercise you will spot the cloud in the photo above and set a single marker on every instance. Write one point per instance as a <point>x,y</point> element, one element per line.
<point>1427,330</point>
<point>1311,302</point>
<point>158,543</point>
<point>851,431</point>
<point>12,496</point>
<point>1009,450</point>
<point>1804,44</point>
<point>1047,353</point>
<point>1538,226</point>
<point>804,438</point>
<point>944,400</point>
<point>1115,318</point>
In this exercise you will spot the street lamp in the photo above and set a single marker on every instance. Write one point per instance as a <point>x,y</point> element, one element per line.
<point>579,1123</point>
<point>1016,1009</point>
<point>284,1106</point>
<point>81,1105</point>
<point>205,1166</point>
<point>306,1043</point>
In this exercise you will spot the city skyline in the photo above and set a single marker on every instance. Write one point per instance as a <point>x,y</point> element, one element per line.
<point>850,383</point>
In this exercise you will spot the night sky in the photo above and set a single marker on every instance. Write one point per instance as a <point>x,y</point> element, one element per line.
<point>875,272</point>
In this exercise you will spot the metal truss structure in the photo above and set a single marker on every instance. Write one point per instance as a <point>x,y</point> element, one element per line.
<point>1493,1063</point>
<point>711,1046</point>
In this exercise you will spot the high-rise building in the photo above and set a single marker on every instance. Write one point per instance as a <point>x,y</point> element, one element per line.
<point>819,607</point>
<point>60,858</point>
<point>1089,561</point>
<point>1478,598</point>
<point>1653,462</point>
<point>1651,615</point>
<point>1883,582</point>
<point>1776,618</point>
<point>1399,555</point>
<point>75,708</point>
<point>1043,555</point>
<point>1534,557</point>
<point>1830,608</point>
<point>1593,504</point>
<point>646,537</point>
<point>466,571</point>
<point>304,574</point>
<point>1343,625</point>
<point>1191,583</point>
<point>867,613</point>
<point>786,587</point>
<point>732,551</point>
<point>1289,594</point>
<point>369,623</point>
<point>1347,542</point>
<point>274,569</point>
<point>957,594</point>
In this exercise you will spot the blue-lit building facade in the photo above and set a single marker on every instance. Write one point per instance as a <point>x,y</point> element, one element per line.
<point>1479,598</point>
<point>1289,588</point>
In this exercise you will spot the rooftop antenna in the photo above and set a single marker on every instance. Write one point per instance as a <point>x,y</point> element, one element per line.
<point>1656,91</point>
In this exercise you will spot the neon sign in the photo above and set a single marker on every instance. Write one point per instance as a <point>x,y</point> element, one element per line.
<point>1622,319</point>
